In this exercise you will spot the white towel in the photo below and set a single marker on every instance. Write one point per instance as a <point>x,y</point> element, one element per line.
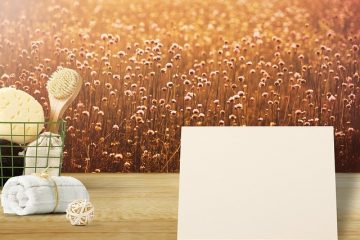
<point>44,152</point>
<point>25,195</point>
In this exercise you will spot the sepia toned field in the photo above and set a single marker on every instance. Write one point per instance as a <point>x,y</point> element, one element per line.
<point>150,67</point>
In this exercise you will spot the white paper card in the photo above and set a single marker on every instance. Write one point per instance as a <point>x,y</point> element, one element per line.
<point>257,183</point>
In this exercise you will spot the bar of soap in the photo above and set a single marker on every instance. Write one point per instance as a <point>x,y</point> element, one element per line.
<point>19,106</point>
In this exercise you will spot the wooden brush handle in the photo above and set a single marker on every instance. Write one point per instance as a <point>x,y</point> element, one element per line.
<point>56,113</point>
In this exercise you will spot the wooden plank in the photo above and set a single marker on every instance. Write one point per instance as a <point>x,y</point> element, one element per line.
<point>144,206</point>
<point>86,236</point>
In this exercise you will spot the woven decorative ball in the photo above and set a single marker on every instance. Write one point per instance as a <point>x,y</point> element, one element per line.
<point>80,212</point>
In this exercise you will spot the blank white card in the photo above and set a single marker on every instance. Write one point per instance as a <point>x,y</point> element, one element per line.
<point>257,183</point>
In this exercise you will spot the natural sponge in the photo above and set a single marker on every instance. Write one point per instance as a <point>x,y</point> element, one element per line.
<point>19,106</point>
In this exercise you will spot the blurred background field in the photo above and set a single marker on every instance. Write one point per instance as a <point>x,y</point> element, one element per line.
<point>150,67</point>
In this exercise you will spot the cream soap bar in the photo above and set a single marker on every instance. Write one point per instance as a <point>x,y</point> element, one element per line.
<point>19,106</point>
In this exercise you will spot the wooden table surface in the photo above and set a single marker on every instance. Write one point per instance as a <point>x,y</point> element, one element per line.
<point>144,206</point>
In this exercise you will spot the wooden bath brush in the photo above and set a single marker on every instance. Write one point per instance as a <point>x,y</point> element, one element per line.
<point>63,87</point>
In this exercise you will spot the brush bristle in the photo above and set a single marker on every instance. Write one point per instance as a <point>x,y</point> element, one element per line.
<point>63,82</point>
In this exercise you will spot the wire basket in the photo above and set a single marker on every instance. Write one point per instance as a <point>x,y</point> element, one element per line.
<point>19,156</point>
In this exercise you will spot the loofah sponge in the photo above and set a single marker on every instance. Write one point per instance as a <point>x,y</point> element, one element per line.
<point>18,106</point>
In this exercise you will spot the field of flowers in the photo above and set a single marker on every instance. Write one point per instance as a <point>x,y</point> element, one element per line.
<point>150,67</point>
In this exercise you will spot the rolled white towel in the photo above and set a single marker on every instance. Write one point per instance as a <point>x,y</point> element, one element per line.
<point>25,195</point>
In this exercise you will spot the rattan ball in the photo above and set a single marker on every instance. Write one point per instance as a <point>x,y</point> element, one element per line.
<point>80,212</point>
